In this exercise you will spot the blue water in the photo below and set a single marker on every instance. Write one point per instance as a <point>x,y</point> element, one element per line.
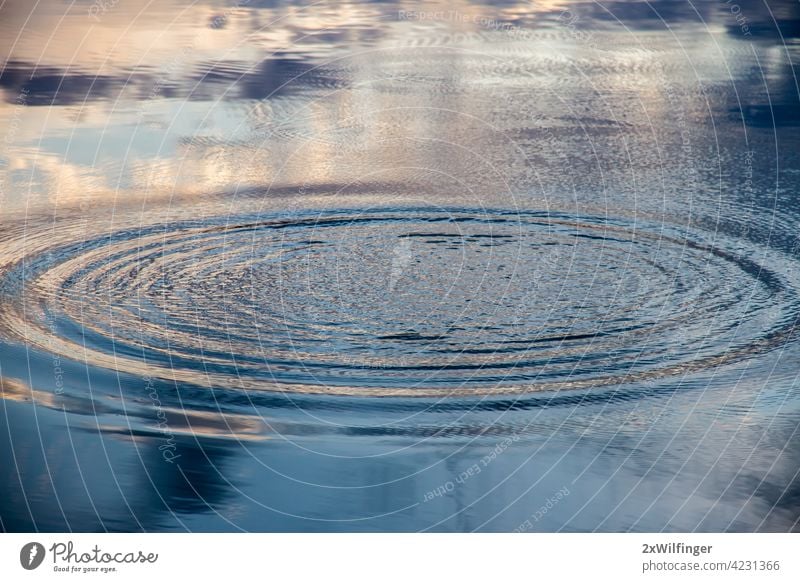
<point>378,267</point>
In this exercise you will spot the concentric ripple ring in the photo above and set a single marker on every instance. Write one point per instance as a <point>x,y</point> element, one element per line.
<point>401,301</point>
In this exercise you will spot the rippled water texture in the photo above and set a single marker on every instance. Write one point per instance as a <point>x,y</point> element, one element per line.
<point>377,266</point>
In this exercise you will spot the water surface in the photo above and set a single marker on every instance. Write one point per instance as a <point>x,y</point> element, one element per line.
<point>399,267</point>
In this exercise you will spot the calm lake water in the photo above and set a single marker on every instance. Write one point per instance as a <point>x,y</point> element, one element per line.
<point>390,266</point>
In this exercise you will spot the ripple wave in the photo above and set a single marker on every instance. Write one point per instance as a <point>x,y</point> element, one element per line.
<point>401,301</point>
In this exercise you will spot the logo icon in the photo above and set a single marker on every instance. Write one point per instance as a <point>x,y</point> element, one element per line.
<point>31,555</point>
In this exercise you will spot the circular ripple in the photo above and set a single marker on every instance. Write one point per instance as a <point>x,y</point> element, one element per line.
<point>414,301</point>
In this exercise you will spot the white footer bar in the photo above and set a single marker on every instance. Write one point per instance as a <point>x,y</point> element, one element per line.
<point>387,557</point>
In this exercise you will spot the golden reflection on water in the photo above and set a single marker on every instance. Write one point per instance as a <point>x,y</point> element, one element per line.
<point>159,103</point>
